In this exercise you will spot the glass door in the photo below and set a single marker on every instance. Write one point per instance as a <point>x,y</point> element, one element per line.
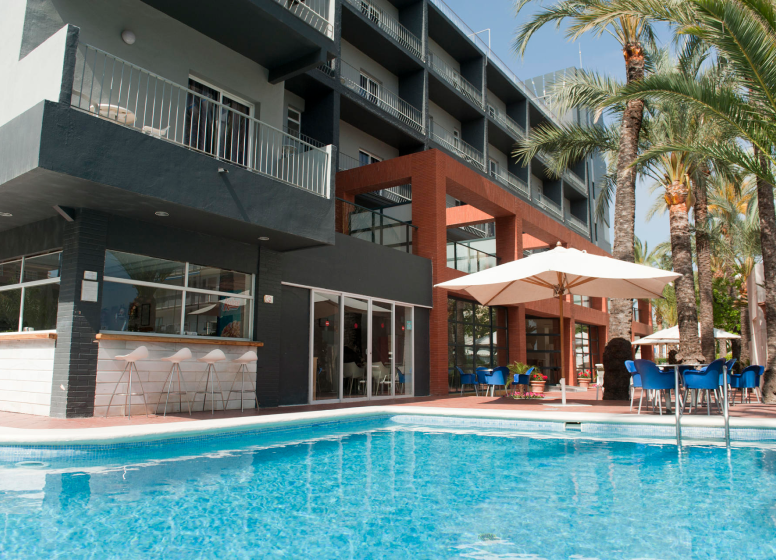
<point>325,345</point>
<point>355,350</point>
<point>382,349</point>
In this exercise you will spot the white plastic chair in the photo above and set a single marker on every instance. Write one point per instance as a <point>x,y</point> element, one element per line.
<point>139,353</point>
<point>180,356</point>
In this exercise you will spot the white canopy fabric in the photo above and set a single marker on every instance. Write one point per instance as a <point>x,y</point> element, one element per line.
<point>671,336</point>
<point>575,272</point>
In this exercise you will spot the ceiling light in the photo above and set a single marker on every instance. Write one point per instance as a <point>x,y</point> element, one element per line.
<point>5,214</point>
<point>263,238</point>
<point>128,37</point>
<point>161,214</point>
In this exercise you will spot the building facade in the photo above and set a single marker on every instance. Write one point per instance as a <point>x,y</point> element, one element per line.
<point>285,176</point>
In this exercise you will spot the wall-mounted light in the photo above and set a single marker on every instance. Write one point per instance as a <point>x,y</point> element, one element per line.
<point>5,214</point>
<point>161,214</point>
<point>223,170</point>
<point>128,37</point>
<point>263,238</point>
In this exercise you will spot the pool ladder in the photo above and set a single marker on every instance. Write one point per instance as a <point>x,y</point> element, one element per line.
<point>725,407</point>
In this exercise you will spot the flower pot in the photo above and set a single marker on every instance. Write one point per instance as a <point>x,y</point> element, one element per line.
<point>537,386</point>
<point>583,383</point>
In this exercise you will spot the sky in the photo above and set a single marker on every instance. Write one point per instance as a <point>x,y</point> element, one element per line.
<point>550,50</point>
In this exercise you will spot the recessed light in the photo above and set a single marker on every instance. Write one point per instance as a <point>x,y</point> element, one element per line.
<point>5,214</point>
<point>263,238</point>
<point>161,214</point>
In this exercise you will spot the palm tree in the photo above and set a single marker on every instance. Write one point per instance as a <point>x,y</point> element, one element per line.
<point>742,32</point>
<point>633,34</point>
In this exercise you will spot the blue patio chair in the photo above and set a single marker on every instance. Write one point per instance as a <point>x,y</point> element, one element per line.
<point>635,381</point>
<point>652,379</point>
<point>401,379</point>
<point>496,379</point>
<point>468,379</point>
<point>482,376</point>
<point>523,378</point>
<point>749,378</point>
<point>708,379</point>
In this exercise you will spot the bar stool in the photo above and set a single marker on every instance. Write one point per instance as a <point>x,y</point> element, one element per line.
<point>212,378</point>
<point>244,360</point>
<point>139,353</point>
<point>180,356</point>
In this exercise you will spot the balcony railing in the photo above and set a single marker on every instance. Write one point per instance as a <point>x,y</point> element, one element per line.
<point>550,205</point>
<point>329,68</point>
<point>466,259</point>
<point>574,181</point>
<point>304,138</point>
<point>383,98</point>
<point>375,227</point>
<point>116,90</point>
<point>315,13</point>
<point>578,225</point>
<point>457,146</point>
<point>454,78</point>
<point>401,34</point>
<point>512,181</point>
<point>506,121</point>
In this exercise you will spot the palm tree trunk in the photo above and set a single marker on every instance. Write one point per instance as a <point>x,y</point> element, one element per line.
<point>703,249</point>
<point>621,310</point>
<point>746,336</point>
<point>681,251</point>
<point>768,245</point>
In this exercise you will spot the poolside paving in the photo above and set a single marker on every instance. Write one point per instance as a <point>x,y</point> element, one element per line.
<point>584,401</point>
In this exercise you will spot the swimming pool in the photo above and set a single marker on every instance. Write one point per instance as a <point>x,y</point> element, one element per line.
<point>381,488</point>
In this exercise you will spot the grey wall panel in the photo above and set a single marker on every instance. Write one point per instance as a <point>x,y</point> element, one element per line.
<point>38,237</point>
<point>294,346</point>
<point>363,268</point>
<point>422,355</point>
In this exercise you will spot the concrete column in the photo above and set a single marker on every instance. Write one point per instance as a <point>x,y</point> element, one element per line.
<point>267,327</point>
<point>75,358</point>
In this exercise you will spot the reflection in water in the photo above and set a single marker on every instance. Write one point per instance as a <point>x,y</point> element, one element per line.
<point>394,491</point>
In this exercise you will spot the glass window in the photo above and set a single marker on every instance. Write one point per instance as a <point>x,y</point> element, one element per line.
<point>40,300</point>
<point>326,346</point>
<point>218,280</point>
<point>294,122</point>
<point>404,357</point>
<point>10,273</point>
<point>584,301</point>
<point>542,341</point>
<point>43,267</point>
<point>10,305</point>
<point>214,315</point>
<point>145,269</point>
<point>585,348</point>
<point>141,309</point>
<point>40,306</point>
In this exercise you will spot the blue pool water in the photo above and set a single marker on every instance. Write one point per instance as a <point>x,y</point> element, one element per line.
<point>381,489</point>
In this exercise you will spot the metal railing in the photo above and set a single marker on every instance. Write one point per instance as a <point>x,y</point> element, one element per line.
<point>328,68</point>
<point>550,205</point>
<point>375,227</point>
<point>116,90</point>
<point>578,224</point>
<point>466,259</point>
<point>390,25</point>
<point>457,146</point>
<point>387,100</point>
<point>571,178</point>
<point>506,121</point>
<point>455,79</point>
<point>478,42</point>
<point>303,137</point>
<point>314,13</point>
<point>509,179</point>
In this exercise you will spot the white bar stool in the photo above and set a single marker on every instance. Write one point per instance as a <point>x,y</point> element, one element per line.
<point>180,356</point>
<point>212,378</point>
<point>244,360</point>
<point>139,353</point>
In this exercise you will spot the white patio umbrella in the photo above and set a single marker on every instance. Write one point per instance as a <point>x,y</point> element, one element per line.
<point>559,272</point>
<point>671,336</point>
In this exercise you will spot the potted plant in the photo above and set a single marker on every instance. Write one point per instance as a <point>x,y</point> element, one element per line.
<point>583,379</point>
<point>519,377</point>
<point>538,381</point>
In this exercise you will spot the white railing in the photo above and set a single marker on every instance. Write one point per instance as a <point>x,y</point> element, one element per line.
<point>403,36</point>
<point>116,90</point>
<point>385,99</point>
<point>454,78</point>
<point>457,146</point>
<point>506,121</point>
<point>578,224</point>
<point>314,13</point>
<point>550,205</point>
<point>576,182</point>
<point>478,42</point>
<point>512,181</point>
<point>328,68</point>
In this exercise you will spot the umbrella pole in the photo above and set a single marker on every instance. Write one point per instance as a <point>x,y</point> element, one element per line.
<point>562,341</point>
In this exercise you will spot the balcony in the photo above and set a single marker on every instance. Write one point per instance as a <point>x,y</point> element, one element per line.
<point>460,148</point>
<point>511,181</point>
<point>314,13</point>
<point>374,227</point>
<point>328,68</point>
<point>578,225</point>
<point>506,121</point>
<point>385,99</point>
<point>464,258</point>
<point>572,179</point>
<point>454,78</point>
<point>550,205</point>
<point>399,194</point>
<point>115,90</point>
<point>396,30</point>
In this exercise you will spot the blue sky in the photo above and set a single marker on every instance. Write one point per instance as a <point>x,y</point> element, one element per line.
<point>550,50</point>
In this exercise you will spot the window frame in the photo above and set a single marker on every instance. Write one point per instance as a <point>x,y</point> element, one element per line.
<point>373,158</point>
<point>184,290</point>
<point>22,285</point>
<point>297,122</point>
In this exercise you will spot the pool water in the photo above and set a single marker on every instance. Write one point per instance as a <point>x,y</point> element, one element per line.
<point>381,489</point>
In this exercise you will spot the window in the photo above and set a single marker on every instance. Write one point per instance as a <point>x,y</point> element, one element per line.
<point>585,348</point>
<point>29,293</point>
<point>149,295</point>
<point>365,158</point>
<point>370,88</point>
<point>542,342</point>
<point>456,138</point>
<point>476,337</point>
<point>493,168</point>
<point>217,123</point>
<point>584,301</point>
<point>294,122</point>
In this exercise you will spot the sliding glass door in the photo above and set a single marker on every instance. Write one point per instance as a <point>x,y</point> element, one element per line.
<point>360,348</point>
